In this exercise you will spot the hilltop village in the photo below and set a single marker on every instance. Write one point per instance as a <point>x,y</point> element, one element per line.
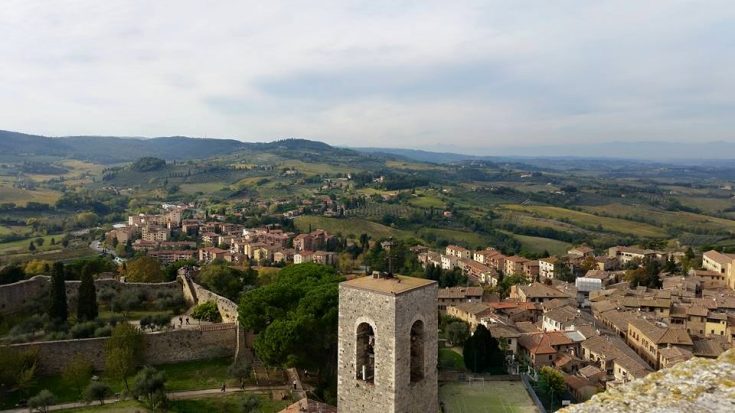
<point>600,318</point>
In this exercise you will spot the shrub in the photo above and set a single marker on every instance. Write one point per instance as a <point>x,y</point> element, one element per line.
<point>173,302</point>
<point>41,401</point>
<point>105,295</point>
<point>207,311</point>
<point>83,330</point>
<point>29,325</point>
<point>126,301</point>
<point>114,319</point>
<point>16,364</point>
<point>155,321</point>
<point>150,384</point>
<point>96,391</point>
<point>77,373</point>
<point>104,331</point>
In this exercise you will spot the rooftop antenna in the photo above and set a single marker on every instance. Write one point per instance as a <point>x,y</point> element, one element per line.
<point>388,246</point>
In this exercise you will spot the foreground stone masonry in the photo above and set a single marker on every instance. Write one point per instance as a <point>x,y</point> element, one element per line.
<point>696,385</point>
<point>392,321</point>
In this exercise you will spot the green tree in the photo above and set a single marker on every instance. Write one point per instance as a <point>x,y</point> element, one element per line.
<point>225,280</point>
<point>509,281</point>
<point>77,373</point>
<point>458,332</point>
<point>86,219</point>
<point>240,369</point>
<point>17,367</point>
<point>207,311</point>
<point>144,269</point>
<point>295,318</point>
<point>96,391</point>
<point>87,299</point>
<point>58,311</point>
<point>41,401</point>
<point>551,383</point>
<point>123,352</point>
<point>150,384</point>
<point>482,352</point>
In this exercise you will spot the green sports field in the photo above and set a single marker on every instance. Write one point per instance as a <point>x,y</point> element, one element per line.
<point>487,397</point>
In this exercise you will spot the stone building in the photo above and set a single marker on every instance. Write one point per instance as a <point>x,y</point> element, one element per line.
<point>388,338</point>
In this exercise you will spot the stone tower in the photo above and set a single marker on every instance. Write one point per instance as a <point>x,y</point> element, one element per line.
<point>387,345</point>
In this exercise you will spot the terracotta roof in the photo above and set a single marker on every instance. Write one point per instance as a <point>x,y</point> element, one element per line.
<point>636,302</point>
<point>720,258</point>
<point>562,314</point>
<point>662,335</point>
<point>697,310</point>
<point>550,260</point>
<point>538,290</point>
<point>527,327</point>
<point>516,259</point>
<point>709,347</point>
<point>474,308</point>
<point>613,348</point>
<point>543,343</point>
<point>503,331</point>
<point>576,382</point>
<point>589,371</point>
<point>675,354</point>
<point>459,292</point>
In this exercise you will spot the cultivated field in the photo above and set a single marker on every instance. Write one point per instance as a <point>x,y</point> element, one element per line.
<point>583,219</point>
<point>347,226</point>
<point>537,245</point>
<point>487,397</point>
<point>23,196</point>
<point>670,218</point>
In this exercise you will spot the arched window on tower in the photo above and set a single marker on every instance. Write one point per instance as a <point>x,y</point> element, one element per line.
<point>417,351</point>
<point>365,344</point>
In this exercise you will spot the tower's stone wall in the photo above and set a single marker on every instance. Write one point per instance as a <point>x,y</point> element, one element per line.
<point>391,317</point>
<point>420,397</point>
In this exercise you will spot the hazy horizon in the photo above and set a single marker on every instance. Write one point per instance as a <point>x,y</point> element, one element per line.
<point>465,77</point>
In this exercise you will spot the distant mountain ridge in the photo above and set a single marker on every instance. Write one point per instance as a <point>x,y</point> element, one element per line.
<point>642,151</point>
<point>110,149</point>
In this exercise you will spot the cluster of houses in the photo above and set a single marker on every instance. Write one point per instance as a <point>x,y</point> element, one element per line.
<point>598,331</point>
<point>219,240</point>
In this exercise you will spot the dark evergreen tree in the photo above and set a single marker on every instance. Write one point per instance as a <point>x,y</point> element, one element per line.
<point>57,307</point>
<point>87,303</point>
<point>482,353</point>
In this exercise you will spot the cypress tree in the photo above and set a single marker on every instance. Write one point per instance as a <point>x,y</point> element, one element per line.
<point>57,307</point>
<point>87,303</point>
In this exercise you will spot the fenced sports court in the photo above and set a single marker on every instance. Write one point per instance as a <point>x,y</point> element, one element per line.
<point>477,395</point>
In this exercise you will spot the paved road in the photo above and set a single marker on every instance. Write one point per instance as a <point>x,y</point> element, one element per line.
<point>179,395</point>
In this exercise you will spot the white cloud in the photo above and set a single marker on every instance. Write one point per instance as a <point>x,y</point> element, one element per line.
<point>371,73</point>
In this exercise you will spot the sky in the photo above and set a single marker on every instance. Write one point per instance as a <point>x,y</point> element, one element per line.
<point>454,75</point>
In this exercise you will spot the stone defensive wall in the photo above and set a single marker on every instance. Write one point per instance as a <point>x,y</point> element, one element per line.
<point>218,340</point>
<point>16,296</point>
<point>196,294</point>
<point>171,346</point>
